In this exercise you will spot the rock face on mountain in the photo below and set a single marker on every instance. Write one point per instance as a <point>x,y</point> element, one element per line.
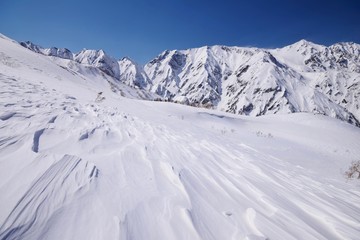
<point>302,77</point>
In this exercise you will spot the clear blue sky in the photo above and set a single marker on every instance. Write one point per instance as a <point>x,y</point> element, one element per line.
<point>141,29</point>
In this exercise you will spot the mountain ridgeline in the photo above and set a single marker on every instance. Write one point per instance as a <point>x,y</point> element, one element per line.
<point>302,77</point>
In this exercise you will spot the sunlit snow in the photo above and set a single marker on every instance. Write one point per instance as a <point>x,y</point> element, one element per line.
<point>123,168</point>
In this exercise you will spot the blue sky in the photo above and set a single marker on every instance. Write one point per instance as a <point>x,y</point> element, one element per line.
<point>142,29</point>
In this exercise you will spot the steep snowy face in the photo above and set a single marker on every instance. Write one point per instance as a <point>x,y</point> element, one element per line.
<point>194,74</point>
<point>255,87</point>
<point>163,73</point>
<point>133,74</point>
<point>100,59</point>
<point>53,51</point>
<point>302,77</point>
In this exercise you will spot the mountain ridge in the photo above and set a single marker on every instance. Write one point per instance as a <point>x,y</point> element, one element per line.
<point>301,77</point>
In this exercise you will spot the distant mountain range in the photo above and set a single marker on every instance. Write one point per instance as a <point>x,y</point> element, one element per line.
<point>302,77</point>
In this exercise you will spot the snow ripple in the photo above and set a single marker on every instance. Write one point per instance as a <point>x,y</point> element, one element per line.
<point>61,182</point>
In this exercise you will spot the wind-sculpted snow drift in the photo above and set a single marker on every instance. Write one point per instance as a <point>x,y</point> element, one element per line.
<point>74,168</point>
<point>59,184</point>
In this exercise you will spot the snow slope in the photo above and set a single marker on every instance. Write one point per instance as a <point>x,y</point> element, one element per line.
<point>123,168</point>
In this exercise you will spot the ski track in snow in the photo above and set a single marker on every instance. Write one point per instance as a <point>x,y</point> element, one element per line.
<point>76,169</point>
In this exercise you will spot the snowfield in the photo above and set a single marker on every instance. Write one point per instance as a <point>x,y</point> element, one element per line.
<point>124,168</point>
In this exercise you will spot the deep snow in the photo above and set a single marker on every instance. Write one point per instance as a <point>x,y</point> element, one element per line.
<point>123,168</point>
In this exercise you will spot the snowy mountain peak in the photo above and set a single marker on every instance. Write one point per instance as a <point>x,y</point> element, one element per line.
<point>126,58</point>
<point>303,43</point>
<point>98,58</point>
<point>88,56</point>
<point>303,47</point>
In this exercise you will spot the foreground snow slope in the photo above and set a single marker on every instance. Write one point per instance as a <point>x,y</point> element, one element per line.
<point>72,168</point>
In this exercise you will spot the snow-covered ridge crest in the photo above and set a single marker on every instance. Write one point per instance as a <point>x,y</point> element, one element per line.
<point>95,58</point>
<point>53,51</point>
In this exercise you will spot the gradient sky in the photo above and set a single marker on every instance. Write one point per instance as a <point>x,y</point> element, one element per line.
<point>141,29</point>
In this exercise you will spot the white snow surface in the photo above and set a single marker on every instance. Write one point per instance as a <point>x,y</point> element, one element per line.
<point>122,168</point>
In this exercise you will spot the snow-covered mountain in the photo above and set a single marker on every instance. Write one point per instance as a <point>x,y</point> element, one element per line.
<point>73,167</point>
<point>302,77</point>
